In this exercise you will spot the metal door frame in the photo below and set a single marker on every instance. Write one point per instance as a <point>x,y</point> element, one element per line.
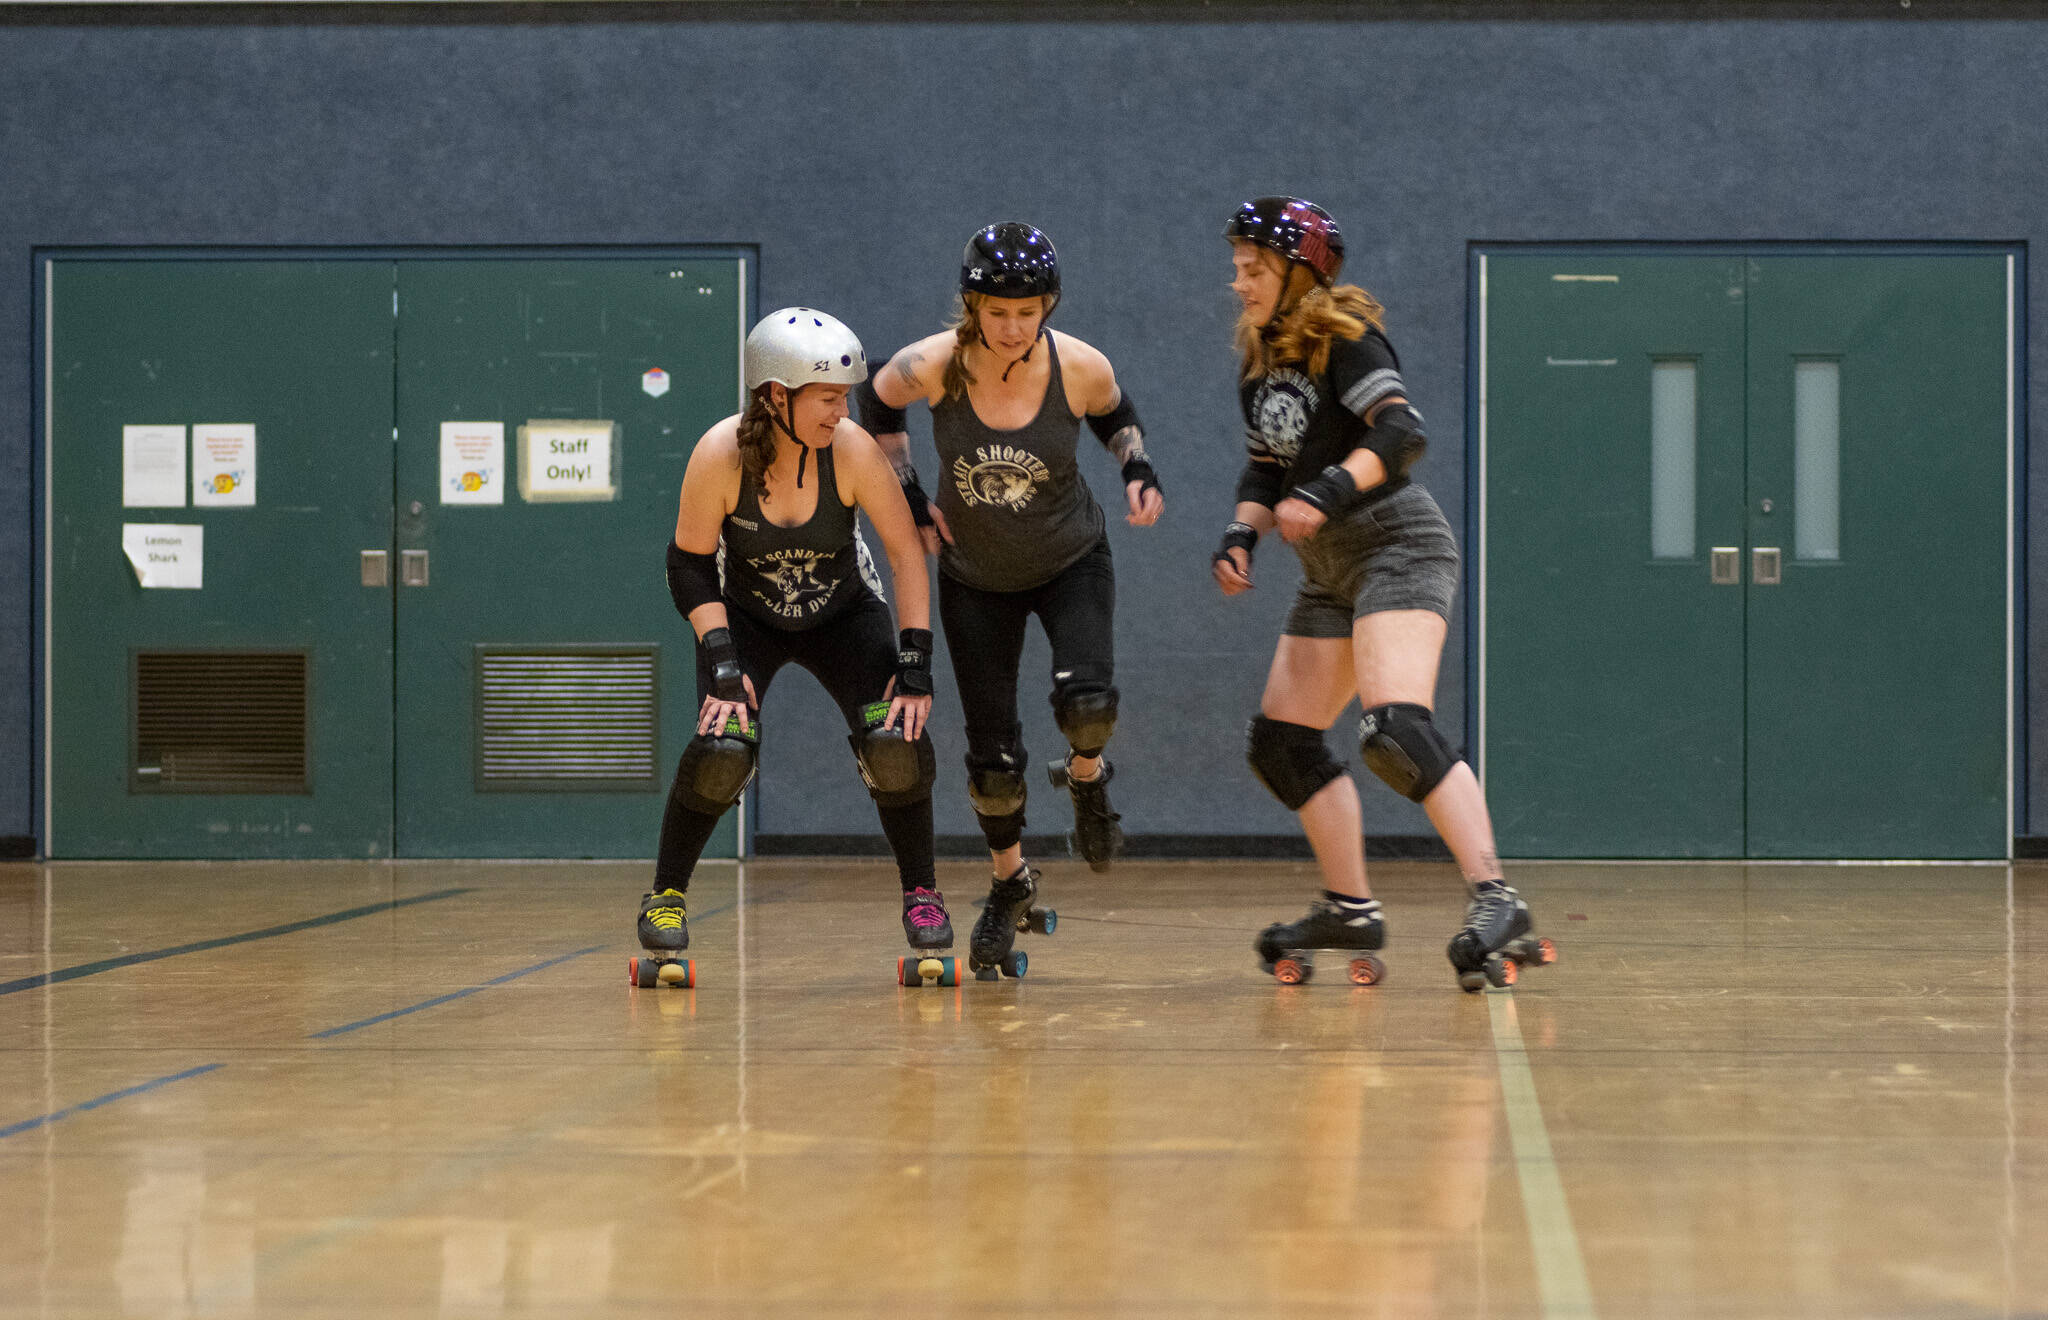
<point>1476,403</point>
<point>43,258</point>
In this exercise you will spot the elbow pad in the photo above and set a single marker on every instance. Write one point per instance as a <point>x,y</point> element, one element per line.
<point>692,579</point>
<point>1261,484</point>
<point>1116,419</point>
<point>1398,439</point>
<point>878,417</point>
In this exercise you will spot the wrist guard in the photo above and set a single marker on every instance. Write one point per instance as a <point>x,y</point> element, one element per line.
<point>1332,492</point>
<point>1238,535</point>
<point>914,662</point>
<point>1139,470</point>
<point>724,656</point>
<point>913,494</point>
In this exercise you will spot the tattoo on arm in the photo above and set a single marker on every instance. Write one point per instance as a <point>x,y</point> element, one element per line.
<point>1127,444</point>
<point>906,365</point>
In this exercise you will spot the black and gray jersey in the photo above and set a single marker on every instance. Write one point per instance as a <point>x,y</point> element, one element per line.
<point>1302,423</point>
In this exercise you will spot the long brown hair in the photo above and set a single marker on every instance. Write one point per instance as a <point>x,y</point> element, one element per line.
<point>1304,333</point>
<point>966,328</point>
<point>757,436</point>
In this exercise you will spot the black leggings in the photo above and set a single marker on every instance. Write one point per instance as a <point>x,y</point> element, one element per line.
<point>985,633</point>
<point>854,655</point>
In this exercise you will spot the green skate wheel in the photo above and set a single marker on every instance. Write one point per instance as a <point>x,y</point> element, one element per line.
<point>949,971</point>
<point>1016,963</point>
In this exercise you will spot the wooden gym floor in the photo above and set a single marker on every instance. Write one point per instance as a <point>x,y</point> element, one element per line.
<point>426,1089</point>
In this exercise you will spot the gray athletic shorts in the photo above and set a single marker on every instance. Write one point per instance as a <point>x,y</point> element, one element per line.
<point>1395,554</point>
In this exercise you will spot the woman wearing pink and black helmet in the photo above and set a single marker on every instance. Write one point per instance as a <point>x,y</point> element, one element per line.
<point>1331,439</point>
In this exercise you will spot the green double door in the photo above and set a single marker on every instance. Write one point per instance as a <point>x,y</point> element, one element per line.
<point>424,614</point>
<point>1746,562</point>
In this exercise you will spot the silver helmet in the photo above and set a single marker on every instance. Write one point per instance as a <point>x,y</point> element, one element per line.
<point>798,346</point>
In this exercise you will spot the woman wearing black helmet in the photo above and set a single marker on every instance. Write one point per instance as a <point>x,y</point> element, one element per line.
<point>1017,533</point>
<point>769,568</point>
<point>1332,437</point>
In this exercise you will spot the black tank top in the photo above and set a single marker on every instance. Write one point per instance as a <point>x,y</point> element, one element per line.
<point>1014,500</point>
<point>793,578</point>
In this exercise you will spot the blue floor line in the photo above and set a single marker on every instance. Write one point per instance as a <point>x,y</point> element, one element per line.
<point>450,998</point>
<point>269,932</point>
<point>28,1124</point>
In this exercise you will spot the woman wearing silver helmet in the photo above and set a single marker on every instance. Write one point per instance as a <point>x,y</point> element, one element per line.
<point>1332,437</point>
<point>1017,533</point>
<point>768,567</point>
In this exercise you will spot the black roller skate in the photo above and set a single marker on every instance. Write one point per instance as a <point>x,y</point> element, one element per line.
<point>1287,951</point>
<point>664,934</point>
<point>1009,909</point>
<point>1097,838</point>
<point>929,930</point>
<point>1498,939</point>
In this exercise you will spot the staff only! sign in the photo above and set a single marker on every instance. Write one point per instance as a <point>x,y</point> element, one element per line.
<point>561,461</point>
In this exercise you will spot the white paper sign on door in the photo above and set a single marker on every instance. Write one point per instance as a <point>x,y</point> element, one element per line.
<point>165,554</point>
<point>567,461</point>
<point>472,462</point>
<point>223,464</point>
<point>152,467</point>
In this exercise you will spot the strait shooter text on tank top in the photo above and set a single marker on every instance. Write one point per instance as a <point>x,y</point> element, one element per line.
<point>1014,500</point>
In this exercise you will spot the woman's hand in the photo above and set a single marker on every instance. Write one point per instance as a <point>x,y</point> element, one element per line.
<point>936,533</point>
<point>1232,569</point>
<point>1146,502</point>
<point>1299,519</point>
<point>912,711</point>
<point>715,713</point>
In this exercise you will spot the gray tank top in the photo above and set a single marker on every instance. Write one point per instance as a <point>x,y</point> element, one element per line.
<point>1014,500</point>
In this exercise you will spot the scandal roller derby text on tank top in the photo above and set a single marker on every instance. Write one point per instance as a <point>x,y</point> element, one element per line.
<point>1014,500</point>
<point>794,577</point>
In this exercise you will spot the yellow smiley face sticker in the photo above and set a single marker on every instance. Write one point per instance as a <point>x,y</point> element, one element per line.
<point>223,483</point>
<point>472,481</point>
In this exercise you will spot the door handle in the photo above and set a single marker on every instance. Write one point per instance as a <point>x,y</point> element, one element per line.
<point>1724,565</point>
<point>376,569</point>
<point>1766,565</point>
<point>412,567</point>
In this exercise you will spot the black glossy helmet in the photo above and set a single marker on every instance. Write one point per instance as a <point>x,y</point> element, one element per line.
<point>1298,230</point>
<point>1010,260</point>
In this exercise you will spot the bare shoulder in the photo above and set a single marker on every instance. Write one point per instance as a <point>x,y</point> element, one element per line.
<point>851,443</point>
<point>1090,380</point>
<point>718,450</point>
<point>922,363</point>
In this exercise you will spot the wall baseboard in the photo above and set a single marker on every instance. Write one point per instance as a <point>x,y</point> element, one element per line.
<point>17,847</point>
<point>1399,847</point>
<point>2030,847</point>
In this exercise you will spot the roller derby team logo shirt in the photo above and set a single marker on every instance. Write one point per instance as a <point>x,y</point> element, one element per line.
<point>790,584</point>
<point>999,476</point>
<point>1281,408</point>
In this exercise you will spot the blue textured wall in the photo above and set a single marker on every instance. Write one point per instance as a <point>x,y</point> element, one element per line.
<point>858,153</point>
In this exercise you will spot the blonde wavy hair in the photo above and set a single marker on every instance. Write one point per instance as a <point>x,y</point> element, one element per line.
<point>1306,330</point>
<point>966,328</point>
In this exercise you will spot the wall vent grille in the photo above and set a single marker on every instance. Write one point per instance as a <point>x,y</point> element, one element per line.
<point>220,722</point>
<point>567,718</point>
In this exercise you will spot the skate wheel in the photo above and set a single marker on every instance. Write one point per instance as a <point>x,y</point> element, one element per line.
<point>683,973</point>
<point>1500,971</point>
<point>1367,971</point>
<point>1015,965</point>
<point>1041,921</point>
<point>1293,971</point>
<point>1471,982</point>
<point>1546,953</point>
<point>633,973</point>
<point>986,974</point>
<point>951,970</point>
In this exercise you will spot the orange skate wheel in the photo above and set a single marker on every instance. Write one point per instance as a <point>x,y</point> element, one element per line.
<point>1367,971</point>
<point>1290,971</point>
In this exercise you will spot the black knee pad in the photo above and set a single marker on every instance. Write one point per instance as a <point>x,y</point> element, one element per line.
<point>1402,746</point>
<point>896,770</point>
<point>1085,712</point>
<point>995,783</point>
<point>717,767</point>
<point>1291,760</point>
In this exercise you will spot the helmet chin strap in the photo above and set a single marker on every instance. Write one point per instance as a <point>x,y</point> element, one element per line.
<point>788,428</point>
<point>1015,362</point>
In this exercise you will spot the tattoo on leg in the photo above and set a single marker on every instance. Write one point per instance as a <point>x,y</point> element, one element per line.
<point>1488,868</point>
